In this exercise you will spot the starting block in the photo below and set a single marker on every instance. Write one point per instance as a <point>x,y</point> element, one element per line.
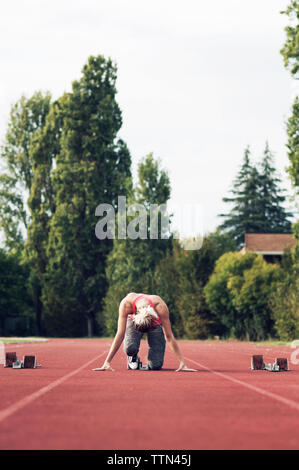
<point>257,362</point>
<point>272,367</point>
<point>28,362</point>
<point>10,358</point>
<point>17,364</point>
<point>280,364</point>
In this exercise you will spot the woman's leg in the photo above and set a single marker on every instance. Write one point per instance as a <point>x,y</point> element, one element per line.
<point>156,342</point>
<point>132,339</point>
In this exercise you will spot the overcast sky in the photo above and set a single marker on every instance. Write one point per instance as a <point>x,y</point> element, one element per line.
<point>198,80</point>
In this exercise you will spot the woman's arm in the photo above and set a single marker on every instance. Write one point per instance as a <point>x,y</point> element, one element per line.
<point>119,337</point>
<point>163,313</point>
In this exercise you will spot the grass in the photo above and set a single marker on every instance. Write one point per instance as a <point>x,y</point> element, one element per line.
<point>6,340</point>
<point>271,342</point>
<point>268,342</point>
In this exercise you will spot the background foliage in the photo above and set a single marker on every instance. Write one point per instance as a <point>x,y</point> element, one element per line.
<point>61,159</point>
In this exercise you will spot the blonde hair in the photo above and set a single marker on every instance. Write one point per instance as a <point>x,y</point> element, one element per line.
<point>143,318</point>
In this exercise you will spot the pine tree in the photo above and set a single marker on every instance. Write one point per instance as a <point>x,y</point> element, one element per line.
<point>275,217</point>
<point>245,215</point>
<point>257,200</point>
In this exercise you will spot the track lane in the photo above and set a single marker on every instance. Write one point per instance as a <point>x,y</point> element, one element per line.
<point>150,410</point>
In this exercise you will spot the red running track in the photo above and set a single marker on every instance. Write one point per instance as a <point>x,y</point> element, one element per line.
<point>225,405</point>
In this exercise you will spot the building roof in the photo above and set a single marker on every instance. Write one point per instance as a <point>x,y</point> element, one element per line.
<point>268,243</point>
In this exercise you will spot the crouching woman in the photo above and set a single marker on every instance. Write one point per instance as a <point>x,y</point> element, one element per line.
<point>139,314</point>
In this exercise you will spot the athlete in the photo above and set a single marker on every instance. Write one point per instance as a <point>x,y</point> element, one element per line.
<point>139,314</point>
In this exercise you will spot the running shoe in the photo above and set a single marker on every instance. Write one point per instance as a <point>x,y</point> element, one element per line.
<point>133,362</point>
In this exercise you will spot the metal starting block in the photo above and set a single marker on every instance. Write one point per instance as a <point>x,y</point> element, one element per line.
<point>257,362</point>
<point>28,362</point>
<point>272,367</point>
<point>141,367</point>
<point>10,358</point>
<point>280,364</point>
<point>17,364</point>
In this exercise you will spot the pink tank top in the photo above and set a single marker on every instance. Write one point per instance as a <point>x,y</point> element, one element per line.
<point>156,321</point>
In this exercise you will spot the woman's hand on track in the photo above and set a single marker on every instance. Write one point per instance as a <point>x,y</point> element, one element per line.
<point>104,367</point>
<point>184,368</point>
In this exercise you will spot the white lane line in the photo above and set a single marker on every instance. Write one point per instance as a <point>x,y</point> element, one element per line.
<point>33,396</point>
<point>258,349</point>
<point>285,401</point>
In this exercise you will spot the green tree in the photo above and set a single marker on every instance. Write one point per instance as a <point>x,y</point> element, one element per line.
<point>290,50</point>
<point>153,186</point>
<point>284,305</point>
<point>272,199</point>
<point>132,262</point>
<point>285,301</point>
<point>290,54</point>
<point>27,118</point>
<point>43,151</point>
<point>245,215</point>
<point>92,167</point>
<point>166,284</point>
<point>218,295</point>
<point>194,269</point>
<point>293,144</point>
<point>21,157</point>
<point>285,308</point>
<point>14,297</point>
<point>13,215</point>
<point>257,200</point>
<point>180,278</point>
<point>239,293</point>
<point>251,296</point>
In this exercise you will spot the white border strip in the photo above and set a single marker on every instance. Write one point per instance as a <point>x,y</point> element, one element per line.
<point>2,353</point>
<point>285,401</point>
<point>269,252</point>
<point>35,395</point>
